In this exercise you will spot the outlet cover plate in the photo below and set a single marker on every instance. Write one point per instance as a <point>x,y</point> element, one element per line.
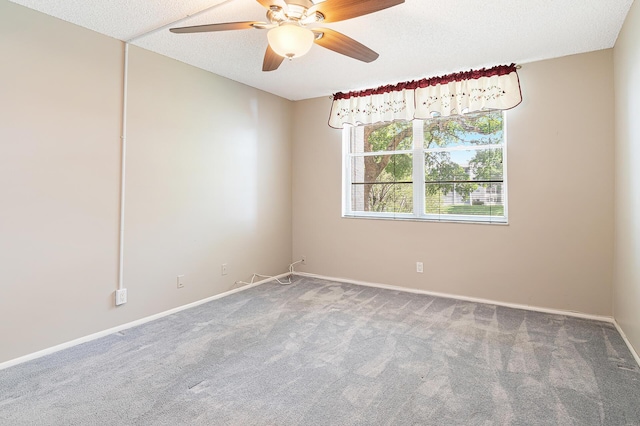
<point>121,297</point>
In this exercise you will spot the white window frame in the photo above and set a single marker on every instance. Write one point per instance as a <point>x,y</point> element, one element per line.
<point>419,185</point>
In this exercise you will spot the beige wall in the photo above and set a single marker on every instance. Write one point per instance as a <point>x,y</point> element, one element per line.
<point>209,181</point>
<point>556,251</point>
<point>627,161</point>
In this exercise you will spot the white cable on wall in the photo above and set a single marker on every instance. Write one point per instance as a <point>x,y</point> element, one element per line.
<point>123,164</point>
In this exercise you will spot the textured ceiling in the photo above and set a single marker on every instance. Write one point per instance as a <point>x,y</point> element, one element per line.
<point>420,38</point>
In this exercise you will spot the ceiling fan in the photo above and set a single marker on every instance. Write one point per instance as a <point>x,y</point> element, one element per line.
<point>289,36</point>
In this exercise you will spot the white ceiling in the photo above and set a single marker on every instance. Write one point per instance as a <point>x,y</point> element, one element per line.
<point>420,38</point>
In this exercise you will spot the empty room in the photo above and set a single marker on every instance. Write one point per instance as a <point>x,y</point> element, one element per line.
<point>320,212</point>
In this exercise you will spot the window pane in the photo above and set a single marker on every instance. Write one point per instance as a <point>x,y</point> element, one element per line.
<point>466,165</point>
<point>467,182</point>
<point>389,197</point>
<point>486,165</point>
<point>485,200</point>
<point>465,130</point>
<point>382,183</point>
<point>446,166</point>
<point>396,136</point>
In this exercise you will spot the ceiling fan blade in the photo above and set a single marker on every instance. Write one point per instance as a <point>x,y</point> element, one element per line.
<point>344,45</point>
<point>271,60</point>
<point>339,10</point>
<point>226,26</point>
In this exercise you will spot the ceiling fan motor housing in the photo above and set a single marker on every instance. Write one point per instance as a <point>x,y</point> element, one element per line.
<point>294,13</point>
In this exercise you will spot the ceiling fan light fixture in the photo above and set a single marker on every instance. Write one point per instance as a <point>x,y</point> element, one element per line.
<point>290,40</point>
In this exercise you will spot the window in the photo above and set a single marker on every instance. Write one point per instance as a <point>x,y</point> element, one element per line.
<point>444,169</point>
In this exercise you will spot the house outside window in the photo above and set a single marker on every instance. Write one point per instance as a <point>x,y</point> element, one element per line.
<point>442,169</point>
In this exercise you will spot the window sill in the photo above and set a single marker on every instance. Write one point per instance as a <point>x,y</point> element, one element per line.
<point>496,220</point>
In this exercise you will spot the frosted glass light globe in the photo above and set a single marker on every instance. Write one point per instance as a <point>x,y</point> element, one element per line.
<point>290,40</point>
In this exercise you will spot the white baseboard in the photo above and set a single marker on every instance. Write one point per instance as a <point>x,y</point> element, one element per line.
<point>141,321</point>
<point>487,301</point>
<point>624,337</point>
<point>465,298</point>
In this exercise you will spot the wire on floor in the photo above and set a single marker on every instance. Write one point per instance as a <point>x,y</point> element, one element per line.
<point>256,275</point>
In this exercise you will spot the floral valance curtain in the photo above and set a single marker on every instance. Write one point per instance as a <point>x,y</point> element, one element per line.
<point>459,93</point>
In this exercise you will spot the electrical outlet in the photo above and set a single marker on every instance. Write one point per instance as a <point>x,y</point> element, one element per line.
<point>304,260</point>
<point>180,281</point>
<point>121,297</point>
<point>419,267</point>
<point>224,269</point>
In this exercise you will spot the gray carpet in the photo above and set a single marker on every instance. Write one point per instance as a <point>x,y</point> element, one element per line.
<point>326,353</point>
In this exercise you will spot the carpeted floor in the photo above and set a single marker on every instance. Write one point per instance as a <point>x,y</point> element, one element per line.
<point>327,353</point>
